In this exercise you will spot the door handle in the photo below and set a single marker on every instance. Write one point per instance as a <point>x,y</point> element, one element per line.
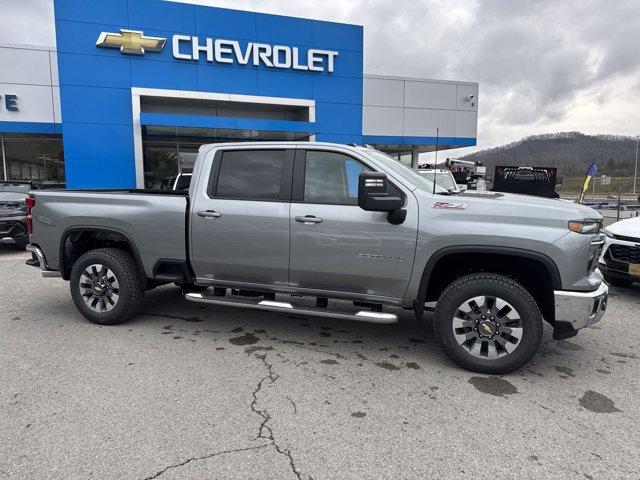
<point>208,214</point>
<point>308,219</point>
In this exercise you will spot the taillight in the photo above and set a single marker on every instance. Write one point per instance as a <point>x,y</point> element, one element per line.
<point>30,202</point>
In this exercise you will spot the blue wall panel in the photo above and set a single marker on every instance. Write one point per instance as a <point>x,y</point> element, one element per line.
<point>81,173</point>
<point>225,23</point>
<point>100,142</point>
<point>113,11</point>
<point>284,30</point>
<point>278,83</point>
<point>338,35</point>
<point>97,105</point>
<point>94,71</point>
<point>76,37</point>
<point>30,127</point>
<point>161,15</point>
<point>152,74</point>
<point>339,118</point>
<point>348,64</point>
<point>227,79</point>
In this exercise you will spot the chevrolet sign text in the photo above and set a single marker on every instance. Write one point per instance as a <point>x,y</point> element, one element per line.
<point>186,47</point>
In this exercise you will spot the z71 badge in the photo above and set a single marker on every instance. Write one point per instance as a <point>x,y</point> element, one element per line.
<point>451,205</point>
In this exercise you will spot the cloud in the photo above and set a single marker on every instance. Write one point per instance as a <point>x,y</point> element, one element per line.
<point>542,66</point>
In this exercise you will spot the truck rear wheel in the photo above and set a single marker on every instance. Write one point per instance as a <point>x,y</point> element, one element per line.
<point>488,323</point>
<point>106,286</point>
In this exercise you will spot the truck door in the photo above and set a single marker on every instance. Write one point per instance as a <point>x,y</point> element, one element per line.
<point>335,245</point>
<point>240,221</point>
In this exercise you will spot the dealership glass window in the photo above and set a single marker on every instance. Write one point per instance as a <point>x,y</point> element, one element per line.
<point>167,151</point>
<point>32,157</point>
<point>166,157</point>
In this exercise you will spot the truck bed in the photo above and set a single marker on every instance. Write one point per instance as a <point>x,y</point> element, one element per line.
<point>140,191</point>
<point>153,220</point>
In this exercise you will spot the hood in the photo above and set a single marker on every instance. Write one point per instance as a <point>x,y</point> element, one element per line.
<point>627,228</point>
<point>551,207</point>
<point>509,208</point>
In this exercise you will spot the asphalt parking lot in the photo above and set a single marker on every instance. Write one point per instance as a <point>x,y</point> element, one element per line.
<point>185,391</point>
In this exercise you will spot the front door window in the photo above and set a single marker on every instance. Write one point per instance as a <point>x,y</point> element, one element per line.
<point>331,178</point>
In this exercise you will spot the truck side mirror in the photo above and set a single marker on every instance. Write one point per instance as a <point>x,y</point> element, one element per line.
<point>373,193</point>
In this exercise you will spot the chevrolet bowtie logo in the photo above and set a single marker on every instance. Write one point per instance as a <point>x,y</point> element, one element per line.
<point>132,42</point>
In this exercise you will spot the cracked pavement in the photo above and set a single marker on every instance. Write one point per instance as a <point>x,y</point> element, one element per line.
<point>190,391</point>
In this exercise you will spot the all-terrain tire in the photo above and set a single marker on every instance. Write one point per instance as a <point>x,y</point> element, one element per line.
<point>491,285</point>
<point>130,291</point>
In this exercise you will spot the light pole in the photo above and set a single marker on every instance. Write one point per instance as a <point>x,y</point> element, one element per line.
<point>635,172</point>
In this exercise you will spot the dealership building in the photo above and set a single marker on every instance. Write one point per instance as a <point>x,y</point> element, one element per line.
<point>130,92</point>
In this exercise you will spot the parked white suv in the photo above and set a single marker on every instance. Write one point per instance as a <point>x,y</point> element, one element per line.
<point>444,178</point>
<point>620,258</point>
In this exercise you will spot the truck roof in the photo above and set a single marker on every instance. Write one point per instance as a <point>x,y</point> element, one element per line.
<point>287,143</point>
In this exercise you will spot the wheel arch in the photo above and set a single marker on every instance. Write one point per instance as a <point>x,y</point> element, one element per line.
<point>102,237</point>
<point>444,266</point>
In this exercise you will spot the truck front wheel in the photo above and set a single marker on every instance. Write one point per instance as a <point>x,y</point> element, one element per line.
<point>488,323</point>
<point>105,286</point>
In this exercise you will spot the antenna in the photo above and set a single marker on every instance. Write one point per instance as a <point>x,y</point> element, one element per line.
<point>435,163</point>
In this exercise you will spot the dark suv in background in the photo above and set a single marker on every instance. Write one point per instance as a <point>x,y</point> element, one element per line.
<point>13,212</point>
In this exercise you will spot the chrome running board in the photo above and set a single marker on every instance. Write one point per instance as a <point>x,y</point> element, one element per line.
<point>278,306</point>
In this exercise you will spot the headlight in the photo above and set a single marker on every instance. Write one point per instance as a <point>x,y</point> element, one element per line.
<point>608,233</point>
<point>585,226</point>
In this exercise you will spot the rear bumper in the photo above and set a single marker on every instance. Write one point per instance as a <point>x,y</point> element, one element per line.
<point>576,310</point>
<point>38,260</point>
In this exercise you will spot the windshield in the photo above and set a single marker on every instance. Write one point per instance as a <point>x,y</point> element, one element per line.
<point>443,179</point>
<point>422,182</point>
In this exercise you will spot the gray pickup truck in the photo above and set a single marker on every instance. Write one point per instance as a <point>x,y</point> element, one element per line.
<point>332,230</point>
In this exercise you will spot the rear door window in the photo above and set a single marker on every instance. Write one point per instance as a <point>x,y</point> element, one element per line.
<point>251,174</point>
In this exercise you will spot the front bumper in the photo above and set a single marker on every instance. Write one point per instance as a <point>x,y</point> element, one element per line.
<point>576,310</point>
<point>13,230</point>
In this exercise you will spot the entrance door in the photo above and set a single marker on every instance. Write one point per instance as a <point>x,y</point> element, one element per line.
<point>240,226</point>
<point>337,246</point>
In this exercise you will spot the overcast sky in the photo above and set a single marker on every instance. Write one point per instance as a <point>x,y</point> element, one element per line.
<point>543,66</point>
